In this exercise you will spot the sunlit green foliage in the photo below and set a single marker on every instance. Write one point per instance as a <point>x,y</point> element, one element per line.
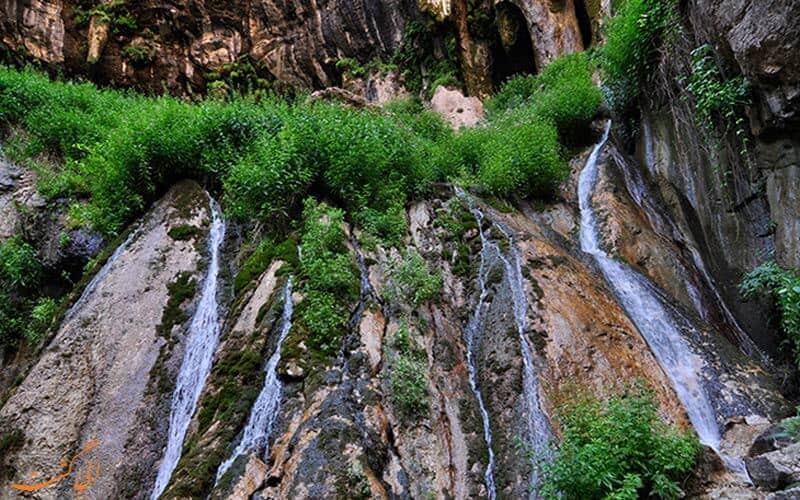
<point>619,448</point>
<point>330,283</point>
<point>119,151</point>
<point>633,37</point>
<point>407,368</point>
<point>563,93</point>
<point>411,281</point>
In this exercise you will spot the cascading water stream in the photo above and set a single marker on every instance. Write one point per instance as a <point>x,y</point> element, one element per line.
<point>265,410</point>
<point>201,343</point>
<point>100,276</point>
<point>636,187</point>
<point>470,337</point>
<point>651,317</point>
<point>539,432</point>
<point>538,425</point>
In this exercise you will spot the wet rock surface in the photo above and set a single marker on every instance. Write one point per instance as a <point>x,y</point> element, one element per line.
<point>91,380</point>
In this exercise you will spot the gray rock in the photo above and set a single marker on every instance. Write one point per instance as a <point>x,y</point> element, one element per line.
<point>767,474</point>
<point>772,439</point>
<point>790,494</point>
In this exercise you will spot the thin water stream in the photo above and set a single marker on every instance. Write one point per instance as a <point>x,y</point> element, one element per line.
<point>265,410</point>
<point>201,343</point>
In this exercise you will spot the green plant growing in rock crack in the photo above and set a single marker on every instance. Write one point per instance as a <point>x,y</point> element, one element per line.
<point>719,103</point>
<point>407,379</point>
<point>411,280</point>
<point>784,287</point>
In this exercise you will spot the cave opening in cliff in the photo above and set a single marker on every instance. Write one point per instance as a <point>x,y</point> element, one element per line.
<point>512,52</point>
<point>584,23</point>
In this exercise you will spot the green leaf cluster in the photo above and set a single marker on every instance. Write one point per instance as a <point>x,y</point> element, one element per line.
<point>633,38</point>
<point>618,449</point>
<point>784,287</point>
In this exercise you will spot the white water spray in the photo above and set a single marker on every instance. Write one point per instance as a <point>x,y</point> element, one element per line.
<point>265,410</point>
<point>470,335</point>
<point>201,343</point>
<point>649,314</point>
<point>100,276</point>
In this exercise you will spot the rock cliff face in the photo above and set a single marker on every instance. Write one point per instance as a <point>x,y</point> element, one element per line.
<point>181,46</point>
<point>98,380</point>
<point>735,212</point>
<point>177,44</point>
<point>524,314</point>
<point>107,373</point>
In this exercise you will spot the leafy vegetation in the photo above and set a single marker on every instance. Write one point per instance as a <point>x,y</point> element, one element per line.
<point>22,313</point>
<point>330,281</point>
<point>633,37</point>
<point>411,280</point>
<point>717,101</point>
<point>563,93</point>
<point>618,449</point>
<point>792,426</point>
<point>784,286</point>
<point>114,14</point>
<point>407,370</point>
<point>119,151</point>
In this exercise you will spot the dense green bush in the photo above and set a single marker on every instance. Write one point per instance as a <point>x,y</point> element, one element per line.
<point>784,286</point>
<point>525,158</point>
<point>119,151</point>
<point>22,315</point>
<point>19,265</point>
<point>618,449</point>
<point>407,369</point>
<point>330,283</point>
<point>563,93</point>
<point>633,37</point>
<point>411,280</point>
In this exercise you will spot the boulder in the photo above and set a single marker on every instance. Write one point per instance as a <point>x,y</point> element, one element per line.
<point>457,109</point>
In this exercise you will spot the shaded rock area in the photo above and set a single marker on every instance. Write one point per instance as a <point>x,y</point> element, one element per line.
<point>178,45</point>
<point>92,382</point>
<point>181,46</point>
<point>737,210</point>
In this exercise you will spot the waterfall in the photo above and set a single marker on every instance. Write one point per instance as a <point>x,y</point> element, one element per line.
<point>265,410</point>
<point>470,335</point>
<point>99,277</point>
<point>644,307</point>
<point>201,343</point>
<point>539,432</point>
<point>538,424</point>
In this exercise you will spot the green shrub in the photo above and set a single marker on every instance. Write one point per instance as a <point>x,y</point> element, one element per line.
<point>330,282</point>
<point>525,159</point>
<point>792,426</point>
<point>408,366</point>
<point>633,37</point>
<point>120,151</point>
<point>719,103</point>
<point>563,93</point>
<point>19,265</point>
<point>411,281</point>
<point>618,449</point>
<point>784,286</point>
<point>42,318</point>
